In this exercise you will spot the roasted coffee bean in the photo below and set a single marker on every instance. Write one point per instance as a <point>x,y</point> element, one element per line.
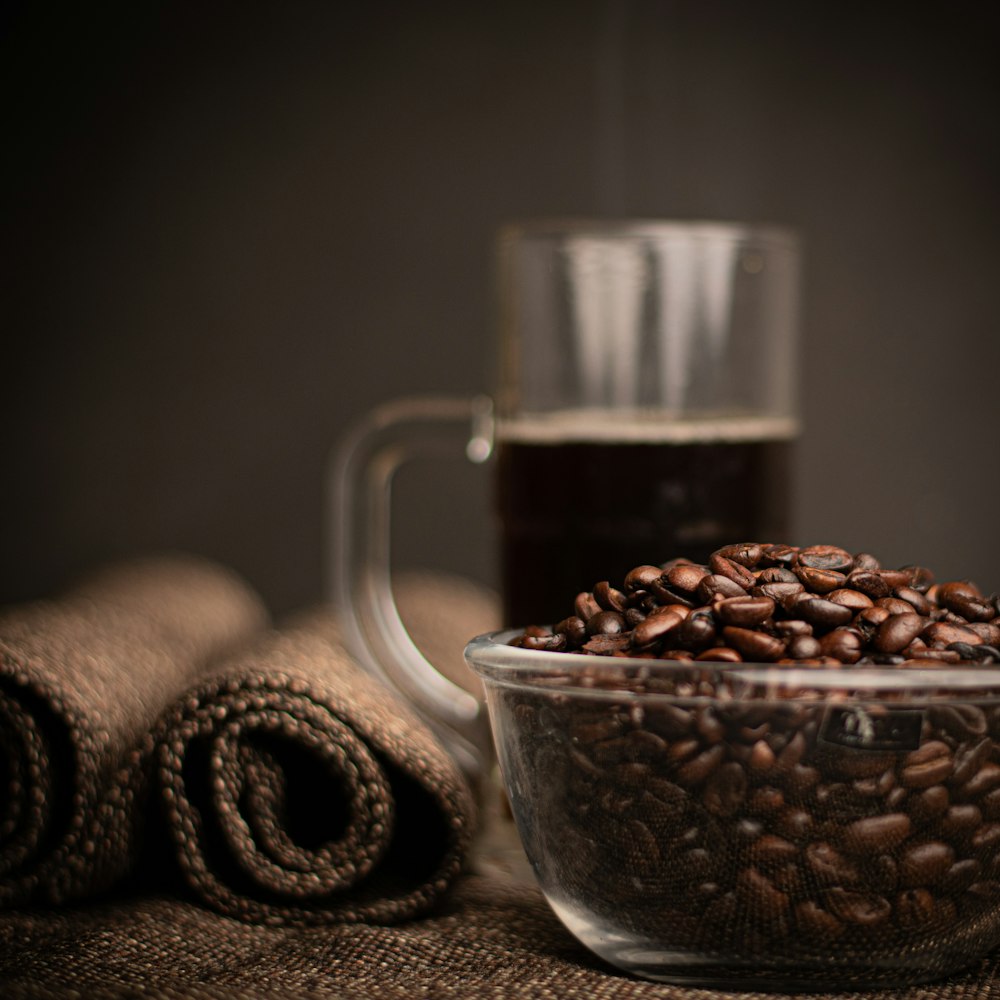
<point>842,644</point>
<point>822,613</point>
<point>697,631</point>
<point>760,895</point>
<point>574,628</point>
<point>831,867</point>
<point>880,832</point>
<point>700,767</point>
<point>740,575</point>
<point>654,627</point>
<point>852,599</point>
<point>897,632</point>
<point>870,583</point>
<point>585,606</point>
<point>914,598</point>
<point>925,864</point>
<point>641,578</point>
<point>930,765</point>
<point>960,821</point>
<point>725,790</point>
<point>895,606</point>
<point>608,597</point>
<point>865,909</point>
<point>686,577</point>
<point>715,585</point>
<point>940,634</point>
<point>826,557</point>
<point>915,908</point>
<point>815,922</point>
<point>866,561</point>
<point>803,647</point>
<point>606,623</point>
<point>743,611</point>
<point>753,646</point>
<point>820,581</point>
<point>952,594</point>
<point>776,574</point>
<point>746,554</point>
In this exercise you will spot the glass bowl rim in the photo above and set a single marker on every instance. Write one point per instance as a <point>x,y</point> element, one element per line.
<point>500,664</point>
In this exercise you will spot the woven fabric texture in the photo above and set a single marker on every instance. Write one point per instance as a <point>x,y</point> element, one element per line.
<point>486,939</point>
<point>156,732</point>
<point>294,788</point>
<point>82,679</point>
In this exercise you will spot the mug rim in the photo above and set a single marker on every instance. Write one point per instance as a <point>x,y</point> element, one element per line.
<point>777,235</point>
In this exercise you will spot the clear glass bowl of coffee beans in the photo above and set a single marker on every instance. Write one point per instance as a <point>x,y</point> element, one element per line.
<point>779,769</point>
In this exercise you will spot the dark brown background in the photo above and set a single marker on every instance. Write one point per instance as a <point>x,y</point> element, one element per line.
<point>230,229</point>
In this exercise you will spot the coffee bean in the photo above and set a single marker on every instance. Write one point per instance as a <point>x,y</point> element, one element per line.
<point>880,832</point>
<point>687,577</point>
<point>843,644</point>
<point>915,908</point>
<point>895,606</point>
<point>898,631</point>
<point>585,606</point>
<point>608,597</point>
<point>753,646</point>
<point>641,578</point>
<point>777,574</point>
<point>725,790</point>
<point>831,867</point>
<point>606,623</point>
<point>760,895</point>
<point>915,599</point>
<point>744,612</point>
<point>865,909</point>
<point>822,613</point>
<point>930,765</point>
<point>803,647</point>
<point>869,583</point>
<point>654,627</point>
<point>820,581</point>
<point>714,585</point>
<point>826,557</point>
<point>852,599</point>
<point>925,864</point>
<point>699,768</point>
<point>815,922</point>
<point>740,575</point>
<point>746,554</point>
<point>940,634</point>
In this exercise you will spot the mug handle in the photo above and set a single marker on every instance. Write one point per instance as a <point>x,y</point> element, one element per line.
<point>359,490</point>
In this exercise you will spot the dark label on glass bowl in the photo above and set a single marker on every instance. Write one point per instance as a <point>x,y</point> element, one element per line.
<point>872,728</point>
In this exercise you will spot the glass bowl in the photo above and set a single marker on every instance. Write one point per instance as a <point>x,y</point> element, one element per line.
<point>755,826</point>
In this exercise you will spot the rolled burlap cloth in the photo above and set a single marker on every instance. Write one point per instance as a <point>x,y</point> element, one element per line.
<point>82,679</point>
<point>294,788</point>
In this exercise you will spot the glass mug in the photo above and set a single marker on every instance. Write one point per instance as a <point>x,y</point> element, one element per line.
<point>646,407</point>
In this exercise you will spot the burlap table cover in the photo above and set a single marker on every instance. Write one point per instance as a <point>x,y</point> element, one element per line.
<point>487,938</point>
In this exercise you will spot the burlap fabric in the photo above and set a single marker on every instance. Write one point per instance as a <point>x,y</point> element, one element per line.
<point>486,939</point>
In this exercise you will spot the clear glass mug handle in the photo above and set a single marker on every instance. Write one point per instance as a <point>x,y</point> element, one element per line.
<point>360,580</point>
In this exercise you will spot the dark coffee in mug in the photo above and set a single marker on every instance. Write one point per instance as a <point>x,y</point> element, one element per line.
<point>579,500</point>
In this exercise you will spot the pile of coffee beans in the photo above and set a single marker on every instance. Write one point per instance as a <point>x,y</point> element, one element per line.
<point>815,826</point>
<point>764,603</point>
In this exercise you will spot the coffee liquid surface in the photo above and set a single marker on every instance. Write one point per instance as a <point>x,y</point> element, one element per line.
<point>581,499</point>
